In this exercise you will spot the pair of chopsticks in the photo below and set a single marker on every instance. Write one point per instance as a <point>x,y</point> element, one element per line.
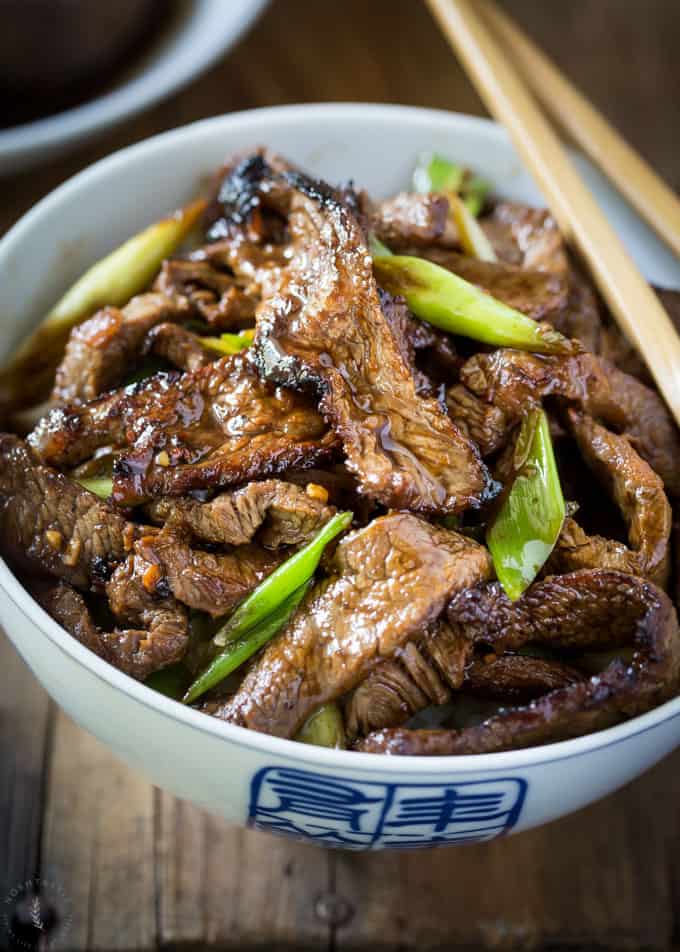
<point>476,29</point>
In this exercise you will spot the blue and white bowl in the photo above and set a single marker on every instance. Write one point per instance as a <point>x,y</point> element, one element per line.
<point>334,798</point>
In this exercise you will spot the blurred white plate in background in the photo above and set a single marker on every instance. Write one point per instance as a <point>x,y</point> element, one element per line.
<point>204,30</point>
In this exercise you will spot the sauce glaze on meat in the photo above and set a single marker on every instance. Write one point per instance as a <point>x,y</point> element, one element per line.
<point>223,467</point>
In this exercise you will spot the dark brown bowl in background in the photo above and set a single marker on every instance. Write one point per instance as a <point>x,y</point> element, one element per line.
<point>51,50</point>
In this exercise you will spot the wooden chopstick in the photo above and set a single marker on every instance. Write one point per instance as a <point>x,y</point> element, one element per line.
<point>632,302</point>
<point>636,180</point>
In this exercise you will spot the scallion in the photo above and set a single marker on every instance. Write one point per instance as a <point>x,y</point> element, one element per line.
<point>529,521</point>
<point>325,728</point>
<point>229,343</point>
<point>442,298</point>
<point>287,578</point>
<point>239,651</point>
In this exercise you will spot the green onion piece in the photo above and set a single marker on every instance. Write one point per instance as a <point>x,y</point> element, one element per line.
<point>170,681</point>
<point>112,280</point>
<point>325,728</point>
<point>237,652</point>
<point>101,486</point>
<point>474,193</point>
<point>529,520</point>
<point>229,343</point>
<point>472,236</point>
<point>289,576</point>
<point>434,173</point>
<point>447,301</point>
<point>376,247</point>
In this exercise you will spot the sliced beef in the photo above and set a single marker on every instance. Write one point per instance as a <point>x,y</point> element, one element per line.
<point>527,237</point>
<point>427,672</point>
<point>212,293</point>
<point>388,582</point>
<point>256,262</point>
<point>416,339</point>
<point>216,427</point>
<point>412,218</point>
<point>178,346</point>
<point>212,582</point>
<point>581,317</point>
<point>324,330</point>
<point>421,673</point>
<point>590,609</point>
<point>514,380</point>
<point>483,423</point>
<point>280,513</point>
<point>50,524</point>
<point>637,491</point>
<point>158,639</point>
<point>512,677</point>
<point>394,691</point>
<point>540,295</point>
<point>102,350</point>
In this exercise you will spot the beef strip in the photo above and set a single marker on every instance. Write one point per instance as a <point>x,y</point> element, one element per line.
<point>256,262</point>
<point>511,678</point>
<point>51,524</point>
<point>412,218</point>
<point>216,427</point>
<point>426,672</point>
<point>581,317</point>
<point>102,350</point>
<point>394,691</point>
<point>178,346</point>
<point>540,295</point>
<point>527,237</point>
<point>415,338</point>
<point>159,640</point>
<point>212,582</point>
<point>483,423</point>
<point>586,609</point>
<point>637,491</point>
<point>212,294</point>
<point>389,581</point>
<point>324,330</point>
<point>281,513</point>
<point>514,380</point>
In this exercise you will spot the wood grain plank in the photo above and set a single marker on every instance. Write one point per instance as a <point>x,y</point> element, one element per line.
<point>599,877</point>
<point>99,845</point>
<point>223,887</point>
<point>625,62</point>
<point>24,742</point>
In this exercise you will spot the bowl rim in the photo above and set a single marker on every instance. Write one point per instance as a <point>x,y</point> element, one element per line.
<point>356,761</point>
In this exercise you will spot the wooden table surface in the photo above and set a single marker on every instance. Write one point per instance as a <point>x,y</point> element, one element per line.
<point>139,870</point>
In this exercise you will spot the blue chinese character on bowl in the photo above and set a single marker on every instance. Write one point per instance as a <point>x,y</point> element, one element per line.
<point>353,814</point>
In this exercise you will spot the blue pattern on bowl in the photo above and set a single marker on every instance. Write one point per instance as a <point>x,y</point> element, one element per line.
<point>354,814</point>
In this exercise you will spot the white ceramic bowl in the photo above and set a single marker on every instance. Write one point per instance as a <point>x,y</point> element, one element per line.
<point>335,798</point>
